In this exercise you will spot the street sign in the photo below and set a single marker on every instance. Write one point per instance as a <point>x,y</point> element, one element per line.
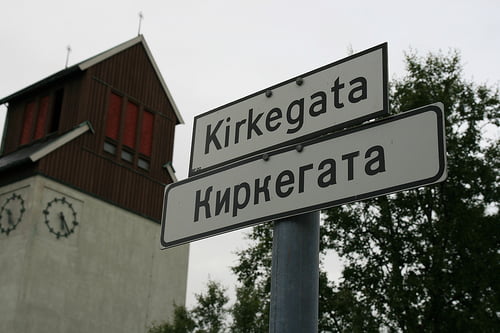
<point>396,153</point>
<point>332,97</point>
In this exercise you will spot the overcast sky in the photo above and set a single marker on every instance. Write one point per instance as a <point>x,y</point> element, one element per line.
<point>213,52</point>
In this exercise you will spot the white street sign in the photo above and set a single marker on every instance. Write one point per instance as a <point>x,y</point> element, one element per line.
<point>332,97</point>
<point>390,155</point>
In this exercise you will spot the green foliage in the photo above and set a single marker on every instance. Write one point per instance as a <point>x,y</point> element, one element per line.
<point>208,316</point>
<point>182,323</point>
<point>426,260</point>
<point>251,310</point>
<point>421,260</point>
<point>209,313</point>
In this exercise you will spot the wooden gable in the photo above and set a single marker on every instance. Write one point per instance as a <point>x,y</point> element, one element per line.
<point>122,96</point>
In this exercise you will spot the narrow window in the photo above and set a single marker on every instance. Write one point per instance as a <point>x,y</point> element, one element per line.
<point>56,111</point>
<point>29,117</point>
<point>113,120</point>
<point>41,120</point>
<point>130,129</point>
<point>146,133</point>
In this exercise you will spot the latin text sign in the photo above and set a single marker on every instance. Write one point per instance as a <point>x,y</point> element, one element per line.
<point>346,92</point>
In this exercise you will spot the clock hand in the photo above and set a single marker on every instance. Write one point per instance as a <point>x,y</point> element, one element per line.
<point>9,216</point>
<point>64,225</point>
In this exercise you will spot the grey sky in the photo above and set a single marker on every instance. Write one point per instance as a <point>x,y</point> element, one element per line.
<point>213,52</point>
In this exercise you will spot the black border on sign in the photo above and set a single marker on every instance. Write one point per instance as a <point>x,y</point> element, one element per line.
<point>436,108</point>
<point>352,122</point>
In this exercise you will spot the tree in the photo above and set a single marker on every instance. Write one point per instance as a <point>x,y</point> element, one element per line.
<point>208,316</point>
<point>421,260</point>
<point>253,271</point>
<point>182,322</point>
<point>428,259</point>
<point>210,313</point>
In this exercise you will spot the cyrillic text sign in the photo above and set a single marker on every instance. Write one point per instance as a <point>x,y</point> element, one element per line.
<point>390,155</point>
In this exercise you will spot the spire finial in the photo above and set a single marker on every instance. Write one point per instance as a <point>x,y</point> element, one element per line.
<point>141,17</point>
<point>68,51</point>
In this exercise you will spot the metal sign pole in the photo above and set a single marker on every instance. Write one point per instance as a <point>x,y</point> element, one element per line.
<point>295,275</point>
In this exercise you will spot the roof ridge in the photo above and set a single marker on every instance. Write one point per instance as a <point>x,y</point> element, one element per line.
<point>89,62</point>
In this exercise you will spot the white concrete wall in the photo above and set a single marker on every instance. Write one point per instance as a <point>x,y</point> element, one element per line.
<point>108,276</point>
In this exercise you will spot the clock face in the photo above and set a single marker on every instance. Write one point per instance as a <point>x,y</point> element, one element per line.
<point>60,217</point>
<point>11,213</point>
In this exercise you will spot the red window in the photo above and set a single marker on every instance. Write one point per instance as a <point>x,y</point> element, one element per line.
<point>130,129</point>
<point>41,120</point>
<point>146,133</point>
<point>29,115</point>
<point>114,112</point>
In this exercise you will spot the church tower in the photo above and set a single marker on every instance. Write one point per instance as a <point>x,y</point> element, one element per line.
<point>85,157</point>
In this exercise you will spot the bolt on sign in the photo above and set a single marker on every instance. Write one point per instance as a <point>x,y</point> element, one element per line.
<point>341,94</point>
<point>390,155</point>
